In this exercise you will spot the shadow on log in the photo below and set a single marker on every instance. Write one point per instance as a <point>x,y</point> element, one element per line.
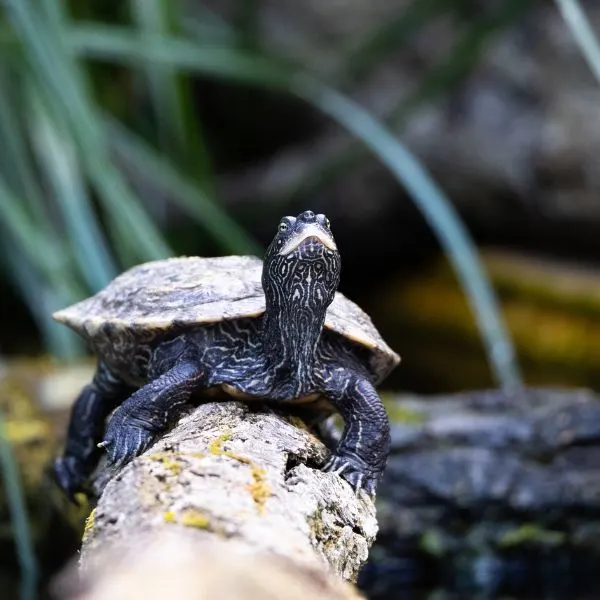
<point>235,492</point>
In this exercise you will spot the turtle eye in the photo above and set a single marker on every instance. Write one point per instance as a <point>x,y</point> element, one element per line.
<point>323,220</point>
<point>284,226</point>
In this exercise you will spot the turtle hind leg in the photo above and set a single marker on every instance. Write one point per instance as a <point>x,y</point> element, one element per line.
<point>149,411</point>
<point>86,428</point>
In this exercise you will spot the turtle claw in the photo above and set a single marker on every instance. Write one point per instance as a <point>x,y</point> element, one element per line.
<point>356,473</point>
<point>123,442</point>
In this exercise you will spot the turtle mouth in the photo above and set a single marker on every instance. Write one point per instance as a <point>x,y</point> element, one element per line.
<point>310,234</point>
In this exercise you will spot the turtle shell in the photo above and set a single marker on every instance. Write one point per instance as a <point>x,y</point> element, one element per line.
<point>153,297</point>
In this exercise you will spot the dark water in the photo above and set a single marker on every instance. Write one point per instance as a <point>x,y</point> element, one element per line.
<point>538,575</point>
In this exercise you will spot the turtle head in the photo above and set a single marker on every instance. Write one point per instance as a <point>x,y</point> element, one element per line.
<point>302,264</point>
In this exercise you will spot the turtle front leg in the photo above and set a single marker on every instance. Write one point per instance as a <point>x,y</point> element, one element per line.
<point>361,455</point>
<point>86,427</point>
<point>149,411</point>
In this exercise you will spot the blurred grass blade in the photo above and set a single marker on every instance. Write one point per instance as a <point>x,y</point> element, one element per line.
<point>13,491</point>
<point>28,274</point>
<point>137,236</point>
<point>581,28</point>
<point>179,128</point>
<point>440,215</point>
<point>15,160</point>
<point>151,17</point>
<point>110,43</point>
<point>122,44</point>
<point>200,22</point>
<point>58,159</point>
<point>43,251</point>
<point>42,299</point>
<point>183,192</point>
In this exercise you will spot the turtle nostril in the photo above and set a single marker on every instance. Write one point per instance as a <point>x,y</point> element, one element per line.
<point>308,216</point>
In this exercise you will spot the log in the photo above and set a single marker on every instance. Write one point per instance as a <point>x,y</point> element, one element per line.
<point>176,567</point>
<point>233,493</point>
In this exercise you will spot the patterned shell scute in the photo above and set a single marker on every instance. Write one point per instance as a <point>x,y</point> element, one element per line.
<point>152,297</point>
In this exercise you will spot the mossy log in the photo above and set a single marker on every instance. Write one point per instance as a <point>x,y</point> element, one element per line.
<point>240,486</point>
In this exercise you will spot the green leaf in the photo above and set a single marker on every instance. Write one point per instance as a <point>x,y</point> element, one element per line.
<point>58,158</point>
<point>179,128</point>
<point>53,65</point>
<point>16,161</point>
<point>152,19</point>
<point>42,299</point>
<point>124,45</point>
<point>435,207</point>
<point>40,268</point>
<point>44,251</point>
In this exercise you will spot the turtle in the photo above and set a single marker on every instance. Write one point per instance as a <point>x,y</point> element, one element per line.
<point>275,330</point>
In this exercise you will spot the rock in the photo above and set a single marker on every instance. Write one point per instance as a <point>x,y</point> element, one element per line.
<point>481,476</point>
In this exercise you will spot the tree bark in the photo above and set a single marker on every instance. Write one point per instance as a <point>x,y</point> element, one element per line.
<point>235,493</point>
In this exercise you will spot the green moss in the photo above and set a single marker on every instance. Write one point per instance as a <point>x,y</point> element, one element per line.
<point>19,432</point>
<point>259,489</point>
<point>89,524</point>
<point>170,517</point>
<point>216,449</point>
<point>401,414</point>
<point>195,518</point>
<point>169,461</point>
<point>216,446</point>
<point>530,533</point>
<point>325,537</point>
<point>316,524</point>
<point>191,517</point>
<point>194,454</point>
